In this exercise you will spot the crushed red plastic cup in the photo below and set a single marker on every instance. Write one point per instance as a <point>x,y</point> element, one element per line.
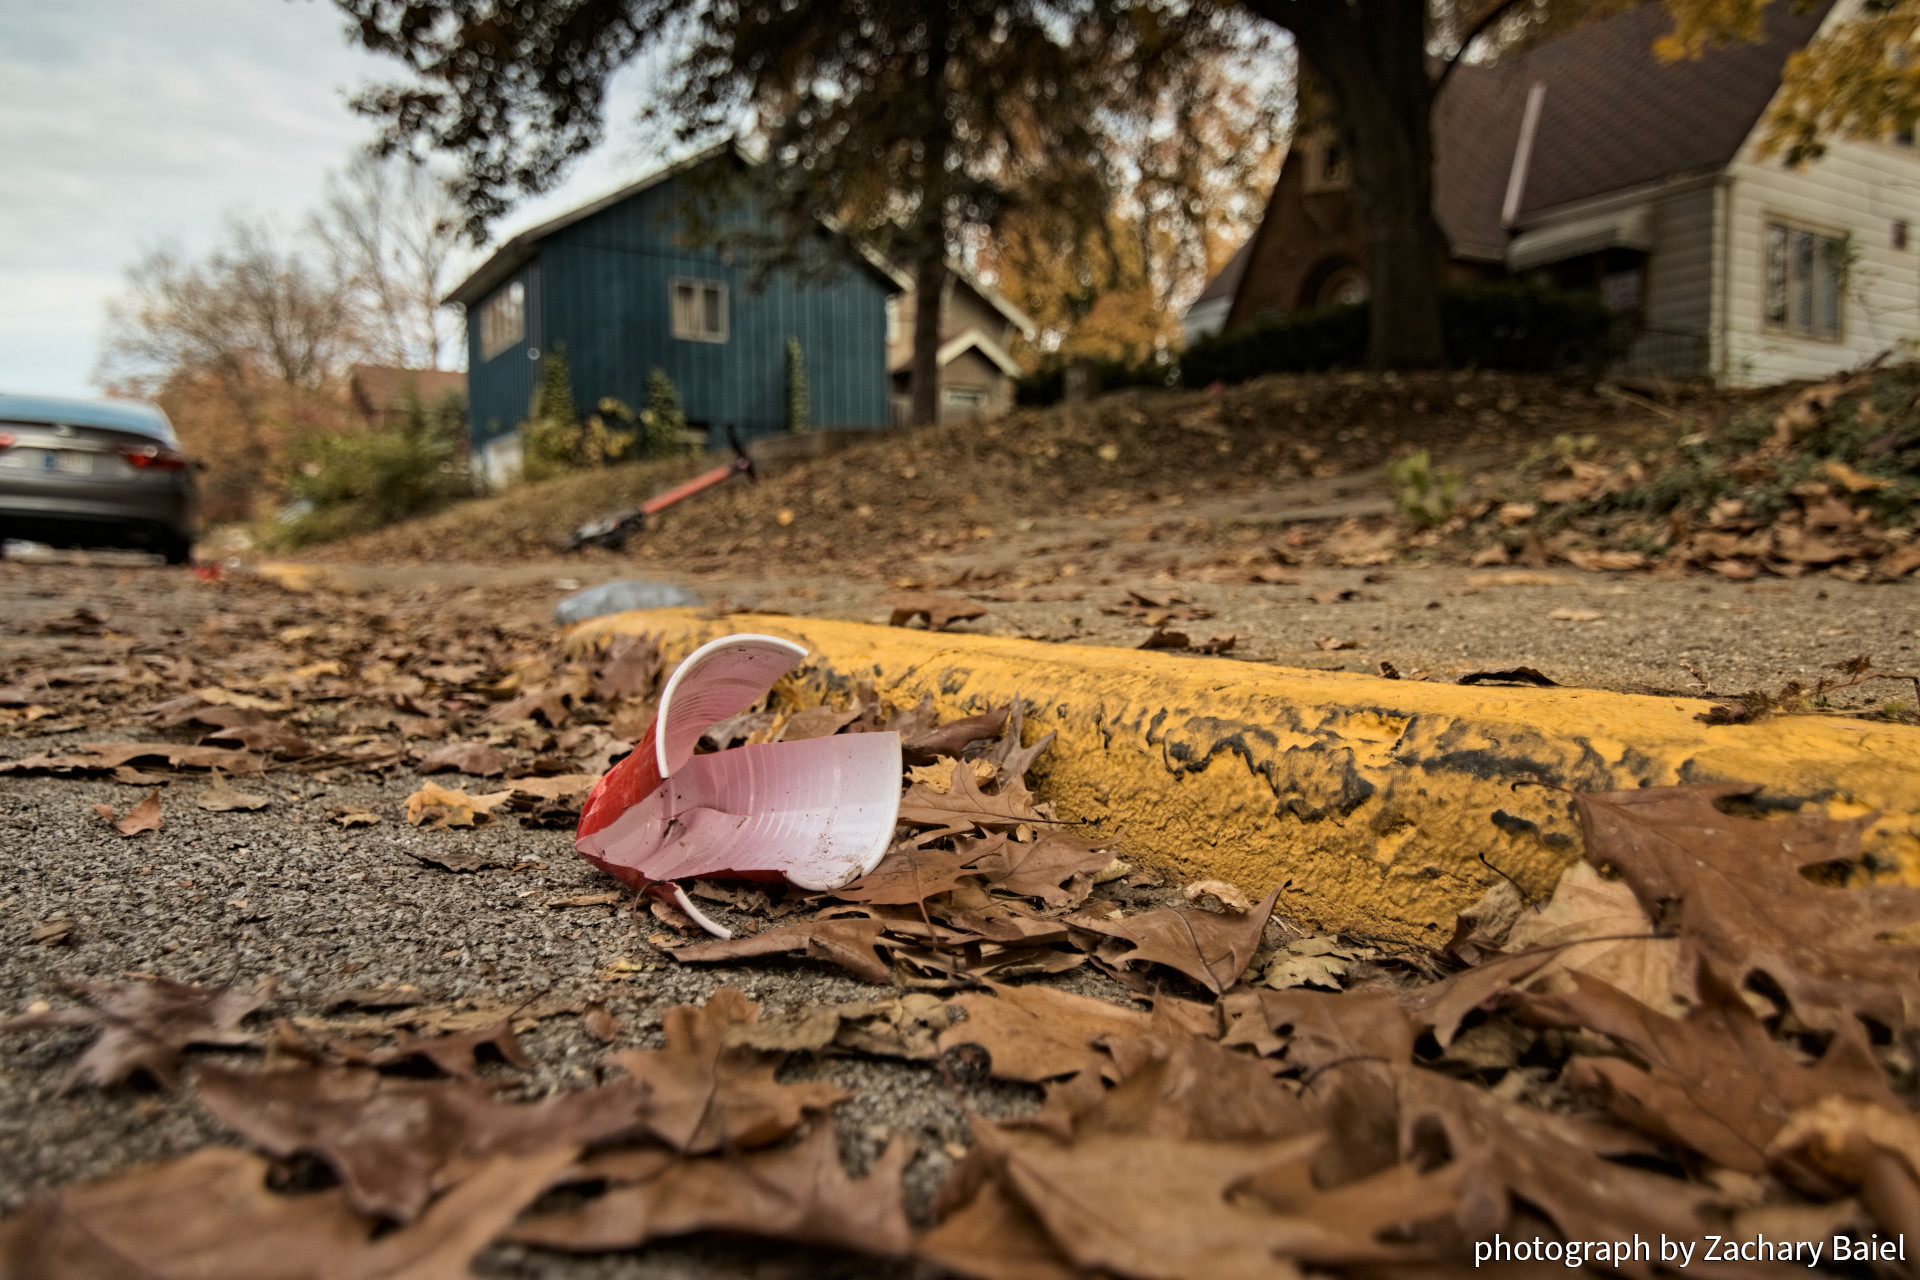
<point>819,812</point>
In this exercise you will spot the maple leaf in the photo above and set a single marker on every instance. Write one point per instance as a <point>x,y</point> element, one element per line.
<point>1313,1030</point>
<point>1744,906</point>
<point>397,1143</point>
<point>1212,949</point>
<point>1035,1033</point>
<point>799,1194</point>
<point>145,1026</point>
<point>1716,1080</point>
<point>211,1215</point>
<point>706,1092</point>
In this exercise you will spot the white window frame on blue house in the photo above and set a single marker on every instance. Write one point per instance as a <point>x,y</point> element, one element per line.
<point>503,320</point>
<point>697,308</point>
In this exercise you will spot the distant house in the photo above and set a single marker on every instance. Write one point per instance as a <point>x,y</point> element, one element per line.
<point>1587,163</point>
<point>977,326</point>
<point>383,396</point>
<point>624,287</point>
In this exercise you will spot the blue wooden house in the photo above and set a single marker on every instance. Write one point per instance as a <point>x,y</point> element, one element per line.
<point>625,285</point>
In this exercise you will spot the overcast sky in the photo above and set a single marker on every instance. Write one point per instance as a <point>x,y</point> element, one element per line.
<point>129,124</point>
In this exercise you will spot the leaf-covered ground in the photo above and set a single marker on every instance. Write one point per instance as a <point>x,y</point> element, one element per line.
<point>329,960</point>
<point>1290,471</point>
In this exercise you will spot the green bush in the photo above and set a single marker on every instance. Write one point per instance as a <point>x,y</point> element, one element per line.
<point>352,482</point>
<point>550,437</point>
<point>1493,326</point>
<point>1424,496</point>
<point>796,386</point>
<point>663,422</point>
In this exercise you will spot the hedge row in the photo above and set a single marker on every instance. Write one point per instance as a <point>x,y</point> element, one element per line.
<point>1494,326</point>
<point>1485,326</point>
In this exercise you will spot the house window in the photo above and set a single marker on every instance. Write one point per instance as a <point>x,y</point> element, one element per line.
<point>1900,233</point>
<point>893,320</point>
<point>1803,281</point>
<point>503,320</point>
<point>699,310</point>
<point>966,402</point>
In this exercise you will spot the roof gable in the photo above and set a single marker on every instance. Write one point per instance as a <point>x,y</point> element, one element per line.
<point>520,249</point>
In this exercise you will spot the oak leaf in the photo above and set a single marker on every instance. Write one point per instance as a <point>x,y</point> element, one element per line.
<point>799,1194</point>
<point>1212,949</point>
<point>143,817</point>
<point>1745,907</point>
<point>963,806</point>
<point>853,944</point>
<point>938,610</point>
<point>910,875</point>
<point>1058,869</point>
<point>476,759</point>
<point>1716,1080</point>
<point>210,1215</point>
<point>396,1143</point>
<point>1035,1033</point>
<point>705,1093</point>
<point>1312,1030</point>
<point>444,807</point>
<point>144,1026</point>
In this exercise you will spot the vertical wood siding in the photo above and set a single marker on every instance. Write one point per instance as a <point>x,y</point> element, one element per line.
<point>606,282</point>
<point>500,390</point>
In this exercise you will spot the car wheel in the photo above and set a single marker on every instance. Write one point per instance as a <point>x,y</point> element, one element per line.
<point>176,549</point>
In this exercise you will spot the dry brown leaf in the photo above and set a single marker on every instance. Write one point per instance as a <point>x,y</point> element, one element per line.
<point>397,1143</point>
<point>1212,949</point>
<point>939,611</point>
<point>1716,1080</point>
<point>218,797</point>
<point>1508,1151</point>
<point>353,816</point>
<point>1331,643</point>
<point>105,757</point>
<point>210,1215</point>
<point>799,1194</point>
<point>1313,1030</point>
<point>705,1093</point>
<point>910,875</point>
<point>144,816</point>
<point>1610,936</point>
<point>1058,869</point>
<point>965,806</point>
<point>1036,1033</point>
<point>475,759</point>
<point>1744,906</point>
<point>850,943</point>
<point>953,737</point>
<point>144,1026</point>
<point>600,1024</point>
<point>631,665</point>
<point>444,807</point>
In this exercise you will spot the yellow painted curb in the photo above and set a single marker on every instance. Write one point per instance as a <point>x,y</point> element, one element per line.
<point>1376,799</point>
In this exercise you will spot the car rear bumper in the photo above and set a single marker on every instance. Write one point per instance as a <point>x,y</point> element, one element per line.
<point>147,517</point>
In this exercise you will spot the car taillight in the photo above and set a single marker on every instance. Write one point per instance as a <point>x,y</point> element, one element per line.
<point>153,457</point>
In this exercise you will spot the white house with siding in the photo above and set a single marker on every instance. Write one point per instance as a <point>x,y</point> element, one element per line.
<point>1586,162</point>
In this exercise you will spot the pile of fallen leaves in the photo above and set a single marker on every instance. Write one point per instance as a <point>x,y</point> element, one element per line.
<point>1701,1038</point>
<point>1824,479</point>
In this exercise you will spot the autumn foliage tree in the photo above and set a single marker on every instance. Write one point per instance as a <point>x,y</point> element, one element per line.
<point>910,125</point>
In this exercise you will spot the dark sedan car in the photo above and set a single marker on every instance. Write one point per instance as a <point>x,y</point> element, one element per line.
<point>95,473</point>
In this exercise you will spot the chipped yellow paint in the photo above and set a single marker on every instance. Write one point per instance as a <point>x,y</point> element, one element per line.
<point>1375,801</point>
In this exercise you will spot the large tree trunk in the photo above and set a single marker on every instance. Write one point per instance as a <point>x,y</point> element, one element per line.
<point>929,283</point>
<point>1372,56</point>
<point>930,229</point>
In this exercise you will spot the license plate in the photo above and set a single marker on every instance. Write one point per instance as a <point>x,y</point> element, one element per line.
<point>69,463</point>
